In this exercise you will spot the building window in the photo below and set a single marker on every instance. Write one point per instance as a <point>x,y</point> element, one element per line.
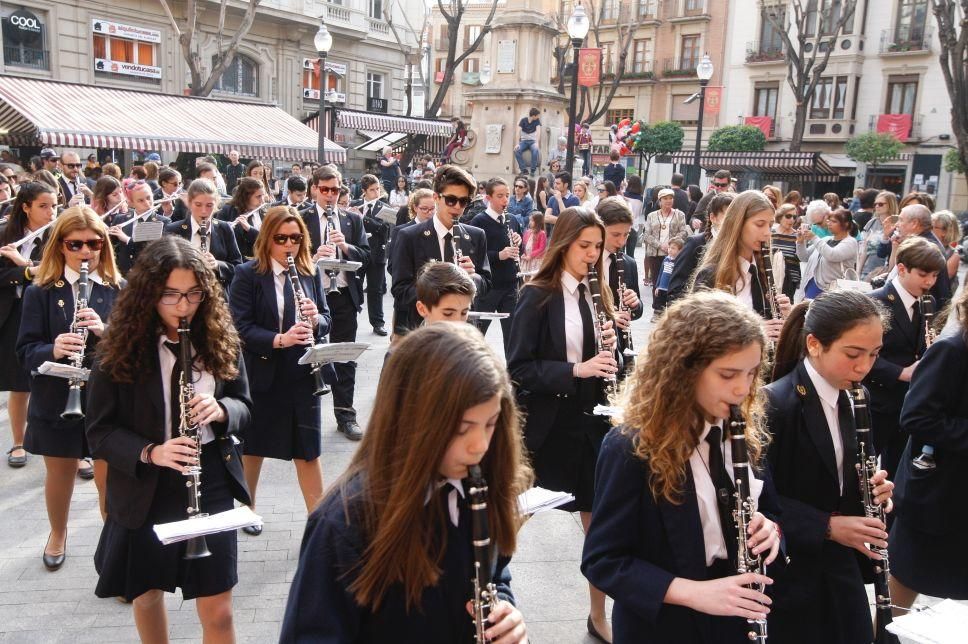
<point>374,85</point>
<point>911,18</point>
<point>472,65</point>
<point>614,116</point>
<point>311,77</point>
<point>689,52</point>
<point>692,7</point>
<point>646,8</point>
<point>770,38</point>
<point>606,48</point>
<point>902,93</point>
<point>24,38</point>
<point>240,77</point>
<point>610,10</point>
<point>764,99</point>
<point>439,65</point>
<point>642,56</point>
<point>829,98</point>
<point>817,9</point>
<point>376,9</point>
<point>682,113</point>
<point>471,32</point>
<point>443,38</point>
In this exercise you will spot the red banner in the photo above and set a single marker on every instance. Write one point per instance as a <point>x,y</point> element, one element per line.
<point>714,100</point>
<point>899,125</point>
<point>765,123</point>
<point>589,66</point>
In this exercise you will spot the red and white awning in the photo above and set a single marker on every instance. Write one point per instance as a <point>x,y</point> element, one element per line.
<point>52,113</point>
<point>356,120</point>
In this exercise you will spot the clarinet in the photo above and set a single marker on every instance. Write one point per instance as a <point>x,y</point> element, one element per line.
<point>73,409</point>
<point>485,592</point>
<point>517,261</point>
<point>620,294</point>
<point>203,233</point>
<point>866,468</point>
<point>331,227</point>
<point>458,255</point>
<point>743,510</point>
<point>317,368</point>
<point>769,296</point>
<point>599,319</point>
<point>925,461</point>
<point>196,548</point>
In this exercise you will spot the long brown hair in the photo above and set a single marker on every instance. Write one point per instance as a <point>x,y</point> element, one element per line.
<point>16,226</point>
<point>659,398</point>
<point>52,262</point>
<point>274,219</point>
<point>247,187</point>
<point>102,189</point>
<point>432,378</point>
<point>723,251</point>
<point>134,326</point>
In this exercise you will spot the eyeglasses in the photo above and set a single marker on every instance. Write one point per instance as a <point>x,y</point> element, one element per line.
<point>721,185</point>
<point>295,238</point>
<point>425,208</point>
<point>71,165</point>
<point>518,185</point>
<point>75,245</point>
<point>173,298</point>
<point>789,216</point>
<point>452,200</point>
<point>327,190</point>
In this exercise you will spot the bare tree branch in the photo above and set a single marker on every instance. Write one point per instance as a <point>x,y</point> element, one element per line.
<point>171,18</point>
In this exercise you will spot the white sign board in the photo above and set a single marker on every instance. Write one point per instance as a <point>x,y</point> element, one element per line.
<point>507,53</point>
<point>125,31</point>
<point>128,69</point>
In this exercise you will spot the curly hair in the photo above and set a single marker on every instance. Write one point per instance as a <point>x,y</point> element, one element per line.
<point>659,398</point>
<point>134,326</point>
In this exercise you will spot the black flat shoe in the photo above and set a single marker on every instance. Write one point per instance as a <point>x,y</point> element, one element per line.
<point>351,429</point>
<point>379,330</point>
<point>254,530</point>
<point>16,461</point>
<point>594,632</point>
<point>86,473</point>
<point>54,562</point>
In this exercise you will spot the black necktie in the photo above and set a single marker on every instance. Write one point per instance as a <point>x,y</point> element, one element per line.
<point>288,306</point>
<point>916,318</point>
<point>848,436</point>
<point>613,273</point>
<point>449,248</point>
<point>174,400</point>
<point>755,291</point>
<point>588,344</point>
<point>369,210</point>
<point>724,490</point>
<point>463,510</point>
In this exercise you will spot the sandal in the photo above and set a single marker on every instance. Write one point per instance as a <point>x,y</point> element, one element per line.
<point>16,461</point>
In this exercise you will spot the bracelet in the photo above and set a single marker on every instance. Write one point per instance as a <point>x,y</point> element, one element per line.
<point>151,448</point>
<point>27,275</point>
<point>145,451</point>
<point>280,342</point>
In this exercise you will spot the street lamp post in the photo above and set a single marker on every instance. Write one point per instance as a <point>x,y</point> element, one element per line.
<point>577,30</point>
<point>704,71</point>
<point>323,41</point>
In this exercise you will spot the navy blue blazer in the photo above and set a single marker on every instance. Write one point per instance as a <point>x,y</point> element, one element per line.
<point>179,210</point>
<point>824,583</point>
<point>903,343</point>
<point>221,245</point>
<point>127,254</point>
<point>636,546</point>
<point>942,287</point>
<point>47,313</point>
<point>415,245</point>
<point>253,304</point>
<point>351,225</point>
<point>13,276</point>
<point>377,232</point>
<point>122,418</point>
<point>504,272</point>
<point>245,239</point>
<point>322,610</point>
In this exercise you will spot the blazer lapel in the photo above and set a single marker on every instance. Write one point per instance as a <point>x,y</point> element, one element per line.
<point>268,292</point>
<point>899,315</point>
<point>684,529</point>
<point>815,421</point>
<point>556,314</point>
<point>156,392</point>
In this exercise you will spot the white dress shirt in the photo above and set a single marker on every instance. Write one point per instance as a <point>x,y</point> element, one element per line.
<point>203,381</point>
<point>196,239</point>
<point>906,298</point>
<point>72,276</point>
<point>280,274</point>
<point>828,401</point>
<point>442,232</point>
<point>324,236</point>
<point>574,330</point>
<point>452,510</point>
<point>712,530</point>
<point>744,286</point>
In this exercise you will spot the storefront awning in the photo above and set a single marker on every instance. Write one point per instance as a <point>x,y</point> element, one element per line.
<point>357,120</point>
<point>778,166</point>
<point>51,113</point>
<point>375,141</point>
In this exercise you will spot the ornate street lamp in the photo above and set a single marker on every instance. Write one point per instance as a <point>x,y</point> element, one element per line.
<point>577,30</point>
<point>704,71</point>
<point>324,42</point>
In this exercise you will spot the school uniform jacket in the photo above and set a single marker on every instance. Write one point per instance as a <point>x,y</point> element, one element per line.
<point>254,309</point>
<point>122,418</point>
<point>47,313</point>
<point>179,210</point>
<point>244,239</point>
<point>630,275</point>
<point>417,244</point>
<point>377,231</point>
<point>12,276</point>
<point>221,244</point>
<point>351,225</point>
<point>127,254</point>
<point>706,279</point>
<point>637,545</point>
<point>504,272</point>
<point>822,597</point>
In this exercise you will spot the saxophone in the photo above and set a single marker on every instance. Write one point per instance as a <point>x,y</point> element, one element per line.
<point>600,318</point>
<point>317,368</point>
<point>73,409</point>
<point>485,592</point>
<point>743,511</point>
<point>196,548</point>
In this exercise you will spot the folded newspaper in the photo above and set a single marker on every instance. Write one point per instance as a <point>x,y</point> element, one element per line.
<point>176,531</point>
<point>61,370</point>
<point>538,499</point>
<point>943,623</point>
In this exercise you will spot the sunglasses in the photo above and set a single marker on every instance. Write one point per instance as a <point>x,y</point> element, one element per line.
<point>721,185</point>
<point>75,245</point>
<point>879,204</point>
<point>788,216</point>
<point>295,238</point>
<point>172,298</point>
<point>452,200</point>
<point>518,185</point>
<point>71,165</point>
<point>327,190</point>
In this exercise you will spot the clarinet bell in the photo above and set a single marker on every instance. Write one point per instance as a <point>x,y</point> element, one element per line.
<point>321,388</point>
<point>73,411</point>
<point>196,548</point>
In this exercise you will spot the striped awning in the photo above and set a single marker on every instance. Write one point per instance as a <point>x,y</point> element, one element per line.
<point>52,113</point>
<point>357,120</point>
<point>771,165</point>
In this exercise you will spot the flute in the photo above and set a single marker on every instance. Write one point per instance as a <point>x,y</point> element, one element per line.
<point>148,212</point>
<point>235,221</point>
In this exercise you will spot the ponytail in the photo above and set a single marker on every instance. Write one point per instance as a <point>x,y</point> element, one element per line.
<point>790,346</point>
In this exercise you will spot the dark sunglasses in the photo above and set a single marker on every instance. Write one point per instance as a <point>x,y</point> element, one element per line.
<point>75,245</point>
<point>452,200</point>
<point>788,216</point>
<point>518,185</point>
<point>295,238</point>
<point>721,185</point>
<point>71,165</point>
<point>172,298</point>
<point>327,190</point>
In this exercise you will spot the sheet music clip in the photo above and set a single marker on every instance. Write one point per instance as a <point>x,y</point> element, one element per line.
<point>338,265</point>
<point>335,352</point>
<point>607,410</point>
<point>61,370</point>
<point>487,315</point>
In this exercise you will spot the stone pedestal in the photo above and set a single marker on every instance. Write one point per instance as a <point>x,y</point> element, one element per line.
<point>519,50</point>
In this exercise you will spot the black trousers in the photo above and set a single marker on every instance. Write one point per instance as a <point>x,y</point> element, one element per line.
<point>376,287</point>
<point>632,242</point>
<point>498,300</point>
<point>343,329</point>
<point>889,440</point>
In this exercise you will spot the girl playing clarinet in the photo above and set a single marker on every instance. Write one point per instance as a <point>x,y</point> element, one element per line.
<point>387,556</point>
<point>133,423</point>
<point>662,541</point>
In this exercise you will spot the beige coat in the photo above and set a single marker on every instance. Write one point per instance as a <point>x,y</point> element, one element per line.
<point>653,228</point>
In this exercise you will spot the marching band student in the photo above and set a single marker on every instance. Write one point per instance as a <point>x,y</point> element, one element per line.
<point>388,554</point>
<point>378,234</point>
<point>692,251</point>
<point>729,264</point>
<point>133,423</point>
<point>502,235</point>
<point>295,193</point>
<point>444,293</point>
<point>286,421</point>
<point>437,239</point>
<point>555,365</point>
<point>140,200</point>
<point>45,335</point>
<point>222,254</point>
<point>929,526</point>
<point>918,264</point>
<point>169,183</point>
<point>826,345</point>
<point>662,541</point>
<point>34,207</point>
<point>616,215</point>
<point>249,196</point>
<point>345,301</point>
<point>109,196</point>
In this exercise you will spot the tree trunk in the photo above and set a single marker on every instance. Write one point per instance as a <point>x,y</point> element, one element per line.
<point>799,125</point>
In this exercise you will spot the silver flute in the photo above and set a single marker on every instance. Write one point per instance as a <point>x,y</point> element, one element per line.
<point>73,409</point>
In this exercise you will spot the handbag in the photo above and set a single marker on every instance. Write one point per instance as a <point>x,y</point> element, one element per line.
<point>855,284</point>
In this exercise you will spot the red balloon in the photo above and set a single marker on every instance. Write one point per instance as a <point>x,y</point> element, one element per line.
<point>636,127</point>
<point>624,122</point>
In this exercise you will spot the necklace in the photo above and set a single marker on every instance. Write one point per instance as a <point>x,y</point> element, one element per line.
<point>664,220</point>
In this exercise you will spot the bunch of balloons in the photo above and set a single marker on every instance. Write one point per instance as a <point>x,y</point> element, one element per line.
<point>625,136</point>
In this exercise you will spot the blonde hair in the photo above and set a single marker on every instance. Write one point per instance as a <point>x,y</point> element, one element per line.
<point>52,262</point>
<point>659,398</point>
<point>952,231</point>
<point>203,187</point>
<point>415,197</point>
<point>723,251</point>
<point>891,199</point>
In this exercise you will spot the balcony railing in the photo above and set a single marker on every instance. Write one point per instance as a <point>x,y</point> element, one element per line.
<point>378,26</point>
<point>913,135</point>
<point>26,57</point>
<point>676,68</point>
<point>757,52</point>
<point>897,41</point>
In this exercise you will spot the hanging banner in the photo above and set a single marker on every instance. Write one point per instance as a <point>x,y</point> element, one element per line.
<point>764,123</point>
<point>589,66</point>
<point>899,125</point>
<point>714,100</point>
